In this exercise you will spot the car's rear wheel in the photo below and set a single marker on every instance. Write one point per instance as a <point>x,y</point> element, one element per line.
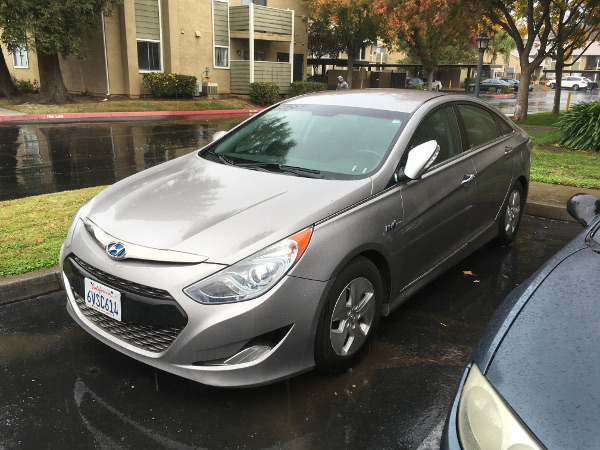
<point>575,87</point>
<point>349,317</point>
<point>552,85</point>
<point>510,215</point>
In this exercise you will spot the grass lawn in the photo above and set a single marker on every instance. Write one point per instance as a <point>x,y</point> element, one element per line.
<point>94,105</point>
<point>32,229</point>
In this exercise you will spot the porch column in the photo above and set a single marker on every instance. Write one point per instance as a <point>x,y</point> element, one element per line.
<point>292,51</point>
<point>251,29</point>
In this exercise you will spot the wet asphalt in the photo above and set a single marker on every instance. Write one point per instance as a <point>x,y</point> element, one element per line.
<point>61,388</point>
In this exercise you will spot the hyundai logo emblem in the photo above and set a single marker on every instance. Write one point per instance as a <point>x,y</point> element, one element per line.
<point>116,250</point>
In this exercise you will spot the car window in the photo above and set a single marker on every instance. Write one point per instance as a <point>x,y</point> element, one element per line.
<point>332,139</point>
<point>479,124</point>
<point>504,127</point>
<point>443,127</point>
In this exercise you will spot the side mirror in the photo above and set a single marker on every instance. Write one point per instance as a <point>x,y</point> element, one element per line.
<point>420,159</point>
<point>584,208</point>
<point>218,135</point>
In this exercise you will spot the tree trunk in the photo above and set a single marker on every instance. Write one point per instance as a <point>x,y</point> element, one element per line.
<point>7,87</point>
<point>429,74</point>
<point>523,95</point>
<point>558,71</point>
<point>351,59</point>
<point>52,86</point>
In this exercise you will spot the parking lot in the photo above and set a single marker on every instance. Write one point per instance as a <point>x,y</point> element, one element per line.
<point>61,388</point>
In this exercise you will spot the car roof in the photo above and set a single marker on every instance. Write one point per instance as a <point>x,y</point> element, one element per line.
<point>397,100</point>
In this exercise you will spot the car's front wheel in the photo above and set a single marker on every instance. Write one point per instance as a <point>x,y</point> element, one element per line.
<point>349,317</point>
<point>510,215</point>
<point>575,87</point>
<point>552,85</point>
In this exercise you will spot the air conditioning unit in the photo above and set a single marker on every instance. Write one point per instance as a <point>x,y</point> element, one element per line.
<point>210,88</point>
<point>198,90</point>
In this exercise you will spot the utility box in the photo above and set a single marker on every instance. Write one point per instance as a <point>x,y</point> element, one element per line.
<point>198,90</point>
<point>210,88</point>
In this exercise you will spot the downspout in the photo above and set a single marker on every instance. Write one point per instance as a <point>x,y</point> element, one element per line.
<point>292,51</point>
<point>251,28</point>
<point>105,56</point>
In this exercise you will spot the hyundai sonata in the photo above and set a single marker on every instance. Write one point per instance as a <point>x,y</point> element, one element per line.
<point>277,248</point>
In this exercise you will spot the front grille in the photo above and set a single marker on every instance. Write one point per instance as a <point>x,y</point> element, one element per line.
<point>147,337</point>
<point>150,318</point>
<point>121,284</point>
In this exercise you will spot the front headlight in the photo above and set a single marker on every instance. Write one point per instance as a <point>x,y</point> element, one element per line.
<point>252,276</point>
<point>486,422</point>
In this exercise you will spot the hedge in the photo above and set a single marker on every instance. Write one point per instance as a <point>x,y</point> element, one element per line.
<point>264,93</point>
<point>169,84</point>
<point>306,87</point>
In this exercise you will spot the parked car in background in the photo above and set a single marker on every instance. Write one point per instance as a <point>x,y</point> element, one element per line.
<point>278,247</point>
<point>532,382</point>
<point>490,83</point>
<point>515,83</point>
<point>415,81</point>
<point>435,84</point>
<point>569,82</point>
<point>591,84</point>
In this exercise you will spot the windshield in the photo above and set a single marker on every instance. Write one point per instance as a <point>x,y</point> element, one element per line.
<point>330,140</point>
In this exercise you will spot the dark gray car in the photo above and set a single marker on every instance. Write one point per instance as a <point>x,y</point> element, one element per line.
<point>532,382</point>
<point>277,247</point>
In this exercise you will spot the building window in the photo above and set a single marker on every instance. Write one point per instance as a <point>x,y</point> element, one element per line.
<point>256,2</point>
<point>259,56</point>
<point>20,58</point>
<point>221,57</point>
<point>149,35</point>
<point>148,56</point>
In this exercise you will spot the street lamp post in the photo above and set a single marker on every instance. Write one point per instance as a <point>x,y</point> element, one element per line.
<point>482,43</point>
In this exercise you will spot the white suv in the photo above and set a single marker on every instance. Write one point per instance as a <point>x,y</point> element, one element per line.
<point>569,82</point>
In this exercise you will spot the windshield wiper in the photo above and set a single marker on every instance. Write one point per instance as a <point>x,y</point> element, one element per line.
<point>282,168</point>
<point>221,158</point>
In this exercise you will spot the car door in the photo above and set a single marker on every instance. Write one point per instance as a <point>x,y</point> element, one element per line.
<point>438,207</point>
<point>492,153</point>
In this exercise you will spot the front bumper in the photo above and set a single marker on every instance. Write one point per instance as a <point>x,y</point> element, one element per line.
<point>200,338</point>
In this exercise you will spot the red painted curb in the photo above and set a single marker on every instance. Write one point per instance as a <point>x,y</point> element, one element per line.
<point>215,112</point>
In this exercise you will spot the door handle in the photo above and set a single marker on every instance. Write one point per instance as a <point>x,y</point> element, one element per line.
<point>467,179</point>
<point>507,150</point>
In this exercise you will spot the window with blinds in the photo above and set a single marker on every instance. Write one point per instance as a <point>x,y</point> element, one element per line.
<point>148,34</point>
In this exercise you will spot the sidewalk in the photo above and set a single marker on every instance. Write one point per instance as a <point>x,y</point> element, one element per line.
<point>545,200</point>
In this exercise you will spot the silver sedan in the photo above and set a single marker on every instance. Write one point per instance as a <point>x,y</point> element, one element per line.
<point>277,248</point>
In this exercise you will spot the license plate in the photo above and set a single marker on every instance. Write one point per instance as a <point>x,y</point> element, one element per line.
<point>103,299</point>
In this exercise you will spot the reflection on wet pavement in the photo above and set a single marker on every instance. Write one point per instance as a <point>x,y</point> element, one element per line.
<point>39,159</point>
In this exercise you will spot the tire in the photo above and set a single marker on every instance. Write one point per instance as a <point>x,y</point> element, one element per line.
<point>575,87</point>
<point>552,85</point>
<point>510,215</point>
<point>349,317</point>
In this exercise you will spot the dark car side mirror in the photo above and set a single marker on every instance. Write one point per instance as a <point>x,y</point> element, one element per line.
<point>584,208</point>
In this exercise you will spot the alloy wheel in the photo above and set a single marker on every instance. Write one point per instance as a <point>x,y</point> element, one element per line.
<point>513,212</point>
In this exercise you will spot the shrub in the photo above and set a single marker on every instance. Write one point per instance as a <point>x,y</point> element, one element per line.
<point>264,93</point>
<point>417,87</point>
<point>579,126</point>
<point>26,86</point>
<point>169,84</point>
<point>506,89</point>
<point>492,91</point>
<point>306,87</point>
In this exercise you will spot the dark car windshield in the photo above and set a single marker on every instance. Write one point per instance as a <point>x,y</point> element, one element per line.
<point>330,140</point>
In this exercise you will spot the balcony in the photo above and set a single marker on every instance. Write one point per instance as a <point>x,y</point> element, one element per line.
<point>270,24</point>
<point>264,71</point>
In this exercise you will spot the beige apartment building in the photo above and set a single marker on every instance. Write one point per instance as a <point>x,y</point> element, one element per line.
<point>226,44</point>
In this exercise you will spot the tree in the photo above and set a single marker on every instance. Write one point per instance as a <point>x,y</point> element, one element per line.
<point>431,31</point>
<point>576,25</point>
<point>322,39</point>
<point>528,22</point>
<point>500,44</point>
<point>53,29</point>
<point>355,23</point>
<point>7,87</point>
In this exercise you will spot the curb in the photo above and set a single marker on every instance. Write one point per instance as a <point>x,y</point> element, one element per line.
<point>123,116</point>
<point>15,288</point>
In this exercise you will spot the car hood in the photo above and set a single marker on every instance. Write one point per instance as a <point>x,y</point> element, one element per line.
<point>221,212</point>
<point>546,366</point>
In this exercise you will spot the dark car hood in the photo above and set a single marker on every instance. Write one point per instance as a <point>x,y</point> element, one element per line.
<point>547,365</point>
<point>222,212</point>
